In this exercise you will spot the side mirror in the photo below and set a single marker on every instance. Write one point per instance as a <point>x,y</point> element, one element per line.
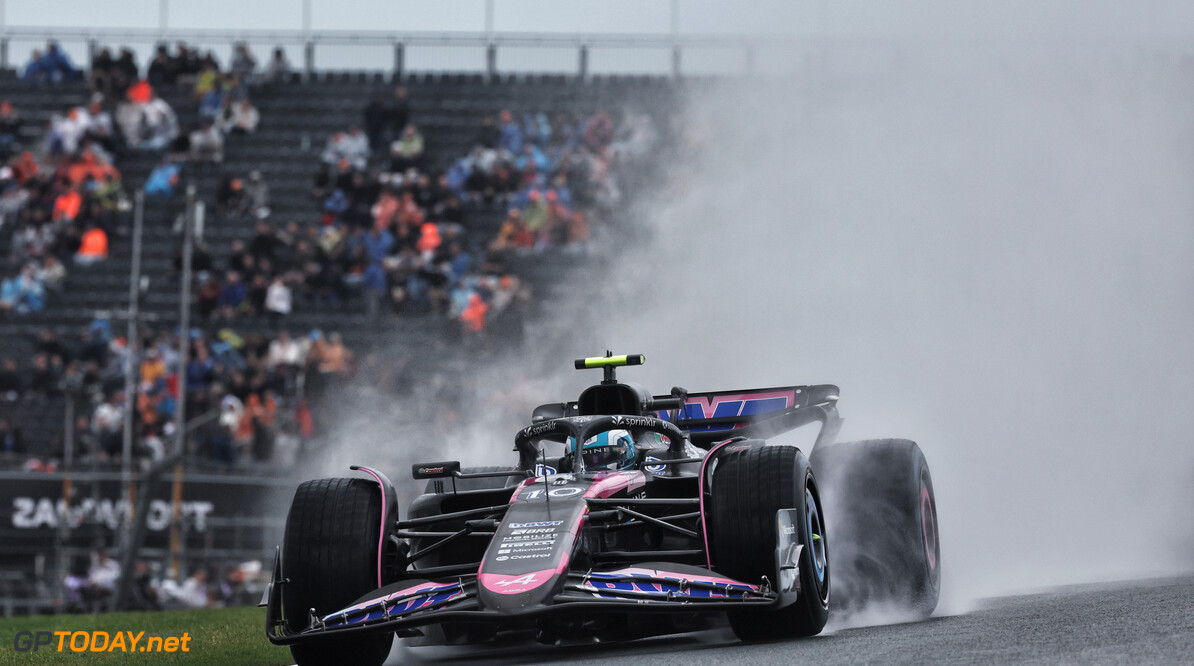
<point>553,410</point>
<point>435,470</point>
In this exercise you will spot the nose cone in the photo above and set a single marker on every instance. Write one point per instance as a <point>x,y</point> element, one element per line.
<point>528,559</point>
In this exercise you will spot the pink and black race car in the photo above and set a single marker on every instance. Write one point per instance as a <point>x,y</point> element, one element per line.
<point>628,515</point>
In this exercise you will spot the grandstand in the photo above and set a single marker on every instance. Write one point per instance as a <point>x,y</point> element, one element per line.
<point>297,115</point>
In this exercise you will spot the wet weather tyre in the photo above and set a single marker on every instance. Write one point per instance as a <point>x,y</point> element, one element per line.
<point>748,488</point>
<point>329,555</point>
<point>882,513</point>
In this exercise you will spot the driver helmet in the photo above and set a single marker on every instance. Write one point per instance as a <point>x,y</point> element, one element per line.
<point>609,450</point>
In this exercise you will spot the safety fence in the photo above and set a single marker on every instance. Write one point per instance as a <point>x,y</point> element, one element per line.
<point>455,52</point>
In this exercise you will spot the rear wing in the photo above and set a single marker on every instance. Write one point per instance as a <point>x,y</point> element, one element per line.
<point>717,415</point>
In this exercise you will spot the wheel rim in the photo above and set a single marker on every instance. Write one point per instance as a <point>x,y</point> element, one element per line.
<point>815,528</point>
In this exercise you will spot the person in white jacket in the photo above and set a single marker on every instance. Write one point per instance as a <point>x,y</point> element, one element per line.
<point>241,117</point>
<point>192,593</point>
<point>278,300</point>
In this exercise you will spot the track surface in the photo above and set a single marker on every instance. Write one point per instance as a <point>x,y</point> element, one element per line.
<point>1148,621</point>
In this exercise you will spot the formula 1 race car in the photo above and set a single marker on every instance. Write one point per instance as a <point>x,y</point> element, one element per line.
<point>627,515</point>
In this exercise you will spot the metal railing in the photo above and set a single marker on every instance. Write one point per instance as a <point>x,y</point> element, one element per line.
<point>398,52</point>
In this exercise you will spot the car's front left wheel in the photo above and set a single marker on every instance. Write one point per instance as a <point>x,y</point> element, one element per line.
<point>749,487</point>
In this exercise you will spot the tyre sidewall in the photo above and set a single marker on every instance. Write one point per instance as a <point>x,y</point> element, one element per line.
<point>930,542</point>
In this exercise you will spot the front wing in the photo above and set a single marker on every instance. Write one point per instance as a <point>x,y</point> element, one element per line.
<point>638,589</point>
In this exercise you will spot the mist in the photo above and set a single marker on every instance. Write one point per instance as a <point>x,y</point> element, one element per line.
<point>992,260</point>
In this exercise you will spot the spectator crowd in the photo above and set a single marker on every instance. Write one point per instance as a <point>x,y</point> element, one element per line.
<point>91,584</point>
<point>395,231</point>
<point>395,237</point>
<point>249,393</point>
<point>61,208</point>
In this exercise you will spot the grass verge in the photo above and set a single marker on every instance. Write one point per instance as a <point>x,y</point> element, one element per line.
<point>219,637</point>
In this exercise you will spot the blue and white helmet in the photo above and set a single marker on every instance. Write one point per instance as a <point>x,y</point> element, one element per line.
<point>609,450</point>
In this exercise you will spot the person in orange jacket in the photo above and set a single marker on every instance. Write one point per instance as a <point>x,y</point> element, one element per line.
<point>67,205</point>
<point>94,246</point>
<point>474,313</point>
<point>90,165</point>
<point>429,238</point>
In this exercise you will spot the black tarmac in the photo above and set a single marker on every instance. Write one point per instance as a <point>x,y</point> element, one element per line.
<point>1136,622</point>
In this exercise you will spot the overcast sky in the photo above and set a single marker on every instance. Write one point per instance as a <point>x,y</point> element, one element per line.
<point>843,17</point>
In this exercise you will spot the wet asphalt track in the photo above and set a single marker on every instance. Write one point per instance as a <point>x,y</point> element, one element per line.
<point>1137,622</point>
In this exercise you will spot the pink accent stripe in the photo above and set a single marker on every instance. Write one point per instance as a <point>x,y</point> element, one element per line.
<point>563,565</point>
<point>381,532</point>
<point>522,486</point>
<point>506,583</point>
<point>701,496</point>
<point>608,485</point>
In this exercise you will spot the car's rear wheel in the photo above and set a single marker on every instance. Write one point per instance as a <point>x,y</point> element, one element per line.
<point>883,515</point>
<point>749,487</point>
<point>329,555</point>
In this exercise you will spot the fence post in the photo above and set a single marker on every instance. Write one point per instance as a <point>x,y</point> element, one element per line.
<point>750,60</point>
<point>309,60</point>
<point>583,68</point>
<point>3,53</point>
<point>676,61</point>
<point>92,49</point>
<point>399,60</point>
<point>491,61</point>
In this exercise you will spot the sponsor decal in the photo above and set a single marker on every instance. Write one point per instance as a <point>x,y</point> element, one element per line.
<point>544,470</point>
<point>521,556</point>
<point>431,470</point>
<point>535,530</point>
<point>34,513</point>
<point>787,530</point>
<point>554,492</point>
<point>654,469</point>
<point>521,580</point>
<point>537,538</point>
<point>505,549</point>
<point>739,447</point>
<point>636,421</point>
<point>722,406</point>
<point>542,523</point>
<point>539,429</point>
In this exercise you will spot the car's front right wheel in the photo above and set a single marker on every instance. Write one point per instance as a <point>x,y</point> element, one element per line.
<point>329,558</point>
